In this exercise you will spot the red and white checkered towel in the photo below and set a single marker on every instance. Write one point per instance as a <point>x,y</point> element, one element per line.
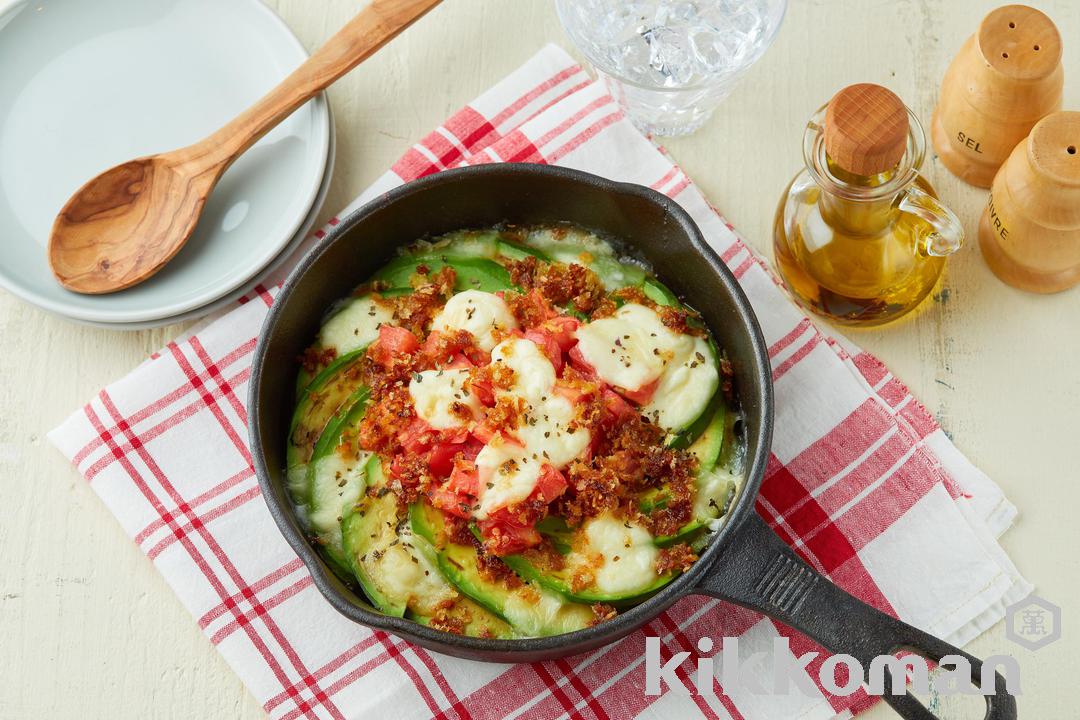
<point>862,482</point>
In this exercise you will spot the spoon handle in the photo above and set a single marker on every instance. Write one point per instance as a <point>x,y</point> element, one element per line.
<point>377,24</point>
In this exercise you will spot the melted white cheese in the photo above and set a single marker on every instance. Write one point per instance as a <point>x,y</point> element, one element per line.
<point>534,375</point>
<point>631,348</point>
<point>547,433</point>
<point>434,393</point>
<point>685,388</point>
<point>478,312</point>
<point>610,538</point>
<point>356,325</point>
<point>545,426</point>
<point>507,475</point>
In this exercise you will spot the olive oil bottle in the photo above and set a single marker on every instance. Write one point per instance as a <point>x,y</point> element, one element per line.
<point>859,235</point>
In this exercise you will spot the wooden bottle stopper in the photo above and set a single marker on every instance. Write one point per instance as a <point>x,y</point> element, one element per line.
<point>866,129</point>
<point>1030,230</point>
<point>1006,77</point>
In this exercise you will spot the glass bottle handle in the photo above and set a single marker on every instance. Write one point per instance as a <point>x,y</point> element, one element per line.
<point>947,235</point>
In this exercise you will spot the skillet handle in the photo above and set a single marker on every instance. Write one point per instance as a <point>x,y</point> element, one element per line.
<point>759,571</point>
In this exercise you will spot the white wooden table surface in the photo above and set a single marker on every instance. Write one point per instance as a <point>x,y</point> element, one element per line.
<point>88,629</point>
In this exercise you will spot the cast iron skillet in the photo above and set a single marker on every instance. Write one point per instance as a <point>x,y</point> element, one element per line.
<point>745,563</point>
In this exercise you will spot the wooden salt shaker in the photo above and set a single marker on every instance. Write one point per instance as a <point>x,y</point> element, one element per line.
<point>1006,77</point>
<point>1030,231</point>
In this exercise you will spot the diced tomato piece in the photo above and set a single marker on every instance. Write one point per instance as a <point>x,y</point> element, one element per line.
<point>477,356</point>
<point>550,485</point>
<point>455,436</point>
<point>459,362</point>
<point>433,346</point>
<point>571,391</point>
<point>450,502</point>
<point>579,363</point>
<point>506,538</point>
<point>457,350</point>
<point>398,340</point>
<point>483,391</point>
<point>418,437</point>
<point>464,480</point>
<point>393,342</point>
<point>483,433</point>
<point>642,395</point>
<point>562,329</point>
<point>618,409</point>
<point>471,448</point>
<point>441,459</point>
<point>457,495</point>
<point>549,346</point>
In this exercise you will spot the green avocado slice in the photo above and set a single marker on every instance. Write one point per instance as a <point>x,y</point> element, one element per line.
<point>392,565</point>
<point>473,273</point>
<point>336,480</point>
<point>398,569</point>
<point>715,479</point>
<point>323,397</point>
<point>659,293</point>
<point>474,619</point>
<point>516,251</point>
<point>531,610</point>
<point>611,583</point>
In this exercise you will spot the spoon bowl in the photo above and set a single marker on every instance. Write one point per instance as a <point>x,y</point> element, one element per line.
<point>124,225</point>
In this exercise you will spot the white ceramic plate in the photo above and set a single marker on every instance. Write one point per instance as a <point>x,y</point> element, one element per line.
<point>270,275</point>
<point>87,85</point>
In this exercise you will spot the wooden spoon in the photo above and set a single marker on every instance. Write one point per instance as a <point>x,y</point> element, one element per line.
<point>124,225</point>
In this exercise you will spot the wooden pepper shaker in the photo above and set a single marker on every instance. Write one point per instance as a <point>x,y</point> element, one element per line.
<point>1030,230</point>
<point>1006,77</point>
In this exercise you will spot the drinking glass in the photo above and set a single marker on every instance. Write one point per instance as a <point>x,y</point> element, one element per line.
<point>669,63</point>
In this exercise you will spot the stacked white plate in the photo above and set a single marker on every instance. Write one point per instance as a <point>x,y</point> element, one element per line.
<point>87,85</point>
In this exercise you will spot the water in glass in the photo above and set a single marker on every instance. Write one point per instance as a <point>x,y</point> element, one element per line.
<point>671,62</point>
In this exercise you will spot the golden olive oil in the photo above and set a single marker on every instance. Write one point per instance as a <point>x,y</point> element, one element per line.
<point>855,262</point>
<point>859,236</point>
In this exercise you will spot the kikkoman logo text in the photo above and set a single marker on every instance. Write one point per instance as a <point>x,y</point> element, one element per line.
<point>782,673</point>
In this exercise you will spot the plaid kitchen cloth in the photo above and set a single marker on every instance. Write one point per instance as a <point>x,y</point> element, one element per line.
<point>862,482</point>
